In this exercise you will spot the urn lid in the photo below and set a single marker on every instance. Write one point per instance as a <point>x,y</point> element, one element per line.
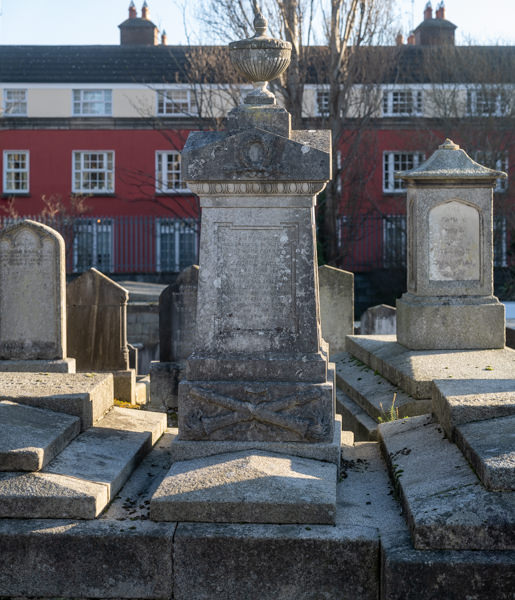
<point>260,40</point>
<point>449,162</point>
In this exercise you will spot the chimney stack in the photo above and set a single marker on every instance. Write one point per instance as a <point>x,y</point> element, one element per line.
<point>428,11</point>
<point>399,39</point>
<point>132,10</point>
<point>411,39</point>
<point>440,11</point>
<point>164,39</point>
<point>144,10</point>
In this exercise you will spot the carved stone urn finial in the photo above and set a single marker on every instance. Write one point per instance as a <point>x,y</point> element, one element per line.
<point>260,59</point>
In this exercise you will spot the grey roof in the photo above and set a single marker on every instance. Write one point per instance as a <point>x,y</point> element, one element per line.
<point>161,64</point>
<point>449,161</point>
<point>436,24</point>
<point>137,23</point>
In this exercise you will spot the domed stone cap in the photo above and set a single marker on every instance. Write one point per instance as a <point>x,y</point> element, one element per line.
<point>450,163</point>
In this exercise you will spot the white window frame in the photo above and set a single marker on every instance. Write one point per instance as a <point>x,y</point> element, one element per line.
<point>93,226</point>
<point>394,251</point>
<point>392,102</point>
<point>167,106</point>
<point>322,102</point>
<point>392,162</point>
<point>176,227</point>
<point>163,170</point>
<point>7,112</point>
<point>82,101</point>
<point>108,172</point>
<point>7,171</point>
<point>477,101</point>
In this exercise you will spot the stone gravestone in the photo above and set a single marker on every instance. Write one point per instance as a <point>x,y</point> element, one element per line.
<point>258,397</point>
<point>450,303</point>
<point>336,306</point>
<point>177,324</point>
<point>32,300</point>
<point>97,329</point>
<point>378,320</point>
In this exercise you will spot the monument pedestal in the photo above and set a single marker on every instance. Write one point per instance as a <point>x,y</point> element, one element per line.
<point>450,323</point>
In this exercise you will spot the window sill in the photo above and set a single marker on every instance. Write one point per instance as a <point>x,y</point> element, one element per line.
<point>185,192</point>
<point>96,194</point>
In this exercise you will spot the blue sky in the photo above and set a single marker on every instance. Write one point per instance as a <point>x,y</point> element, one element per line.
<point>96,21</point>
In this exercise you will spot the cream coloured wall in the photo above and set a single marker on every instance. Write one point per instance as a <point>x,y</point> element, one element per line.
<point>135,103</point>
<point>49,102</point>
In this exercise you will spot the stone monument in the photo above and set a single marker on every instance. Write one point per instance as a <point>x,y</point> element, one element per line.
<point>336,306</point>
<point>177,324</point>
<point>97,329</point>
<point>450,303</point>
<point>32,300</point>
<point>259,376</point>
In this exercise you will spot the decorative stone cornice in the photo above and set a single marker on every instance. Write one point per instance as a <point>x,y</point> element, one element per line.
<point>253,188</point>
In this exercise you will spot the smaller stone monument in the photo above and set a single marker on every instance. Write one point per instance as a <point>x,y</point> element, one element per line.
<point>450,303</point>
<point>177,324</point>
<point>336,306</point>
<point>97,329</point>
<point>32,300</point>
<point>378,320</point>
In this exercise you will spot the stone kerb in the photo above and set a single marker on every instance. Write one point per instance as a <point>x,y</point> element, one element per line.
<point>32,298</point>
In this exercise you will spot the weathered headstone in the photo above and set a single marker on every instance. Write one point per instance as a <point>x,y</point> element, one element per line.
<point>336,306</point>
<point>32,299</point>
<point>177,323</point>
<point>378,320</point>
<point>450,303</point>
<point>97,329</point>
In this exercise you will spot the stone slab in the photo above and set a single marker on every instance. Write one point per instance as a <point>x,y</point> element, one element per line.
<point>464,400</point>
<point>124,383</point>
<point>247,487</point>
<point>372,392</point>
<point>446,506</point>
<point>336,289</point>
<point>85,395</point>
<point>164,384</point>
<point>63,365</point>
<point>31,437</point>
<point>414,370</point>
<point>88,473</point>
<point>355,419</point>
<point>86,559</point>
<point>489,446</point>
<point>329,452</point>
<point>451,575</point>
<point>44,495</point>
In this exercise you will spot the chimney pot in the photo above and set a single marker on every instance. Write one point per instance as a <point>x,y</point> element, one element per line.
<point>164,39</point>
<point>428,11</point>
<point>411,39</point>
<point>440,11</point>
<point>132,10</point>
<point>399,39</point>
<point>144,11</point>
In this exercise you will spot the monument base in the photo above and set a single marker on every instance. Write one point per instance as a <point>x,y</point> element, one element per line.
<point>326,451</point>
<point>63,365</point>
<point>450,322</point>
<point>125,385</point>
<point>248,487</point>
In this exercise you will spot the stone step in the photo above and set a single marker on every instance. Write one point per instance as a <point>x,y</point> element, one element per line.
<point>414,370</point>
<point>465,400</point>
<point>489,446</point>
<point>32,437</point>
<point>248,487</point>
<point>373,393</point>
<point>446,506</point>
<point>88,473</point>
<point>85,395</point>
<point>355,419</point>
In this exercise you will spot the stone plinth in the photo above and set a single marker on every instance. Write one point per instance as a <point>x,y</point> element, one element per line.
<point>32,298</point>
<point>450,303</point>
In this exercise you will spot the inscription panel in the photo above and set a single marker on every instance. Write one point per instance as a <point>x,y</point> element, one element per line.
<point>29,306</point>
<point>454,242</point>
<point>256,277</point>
